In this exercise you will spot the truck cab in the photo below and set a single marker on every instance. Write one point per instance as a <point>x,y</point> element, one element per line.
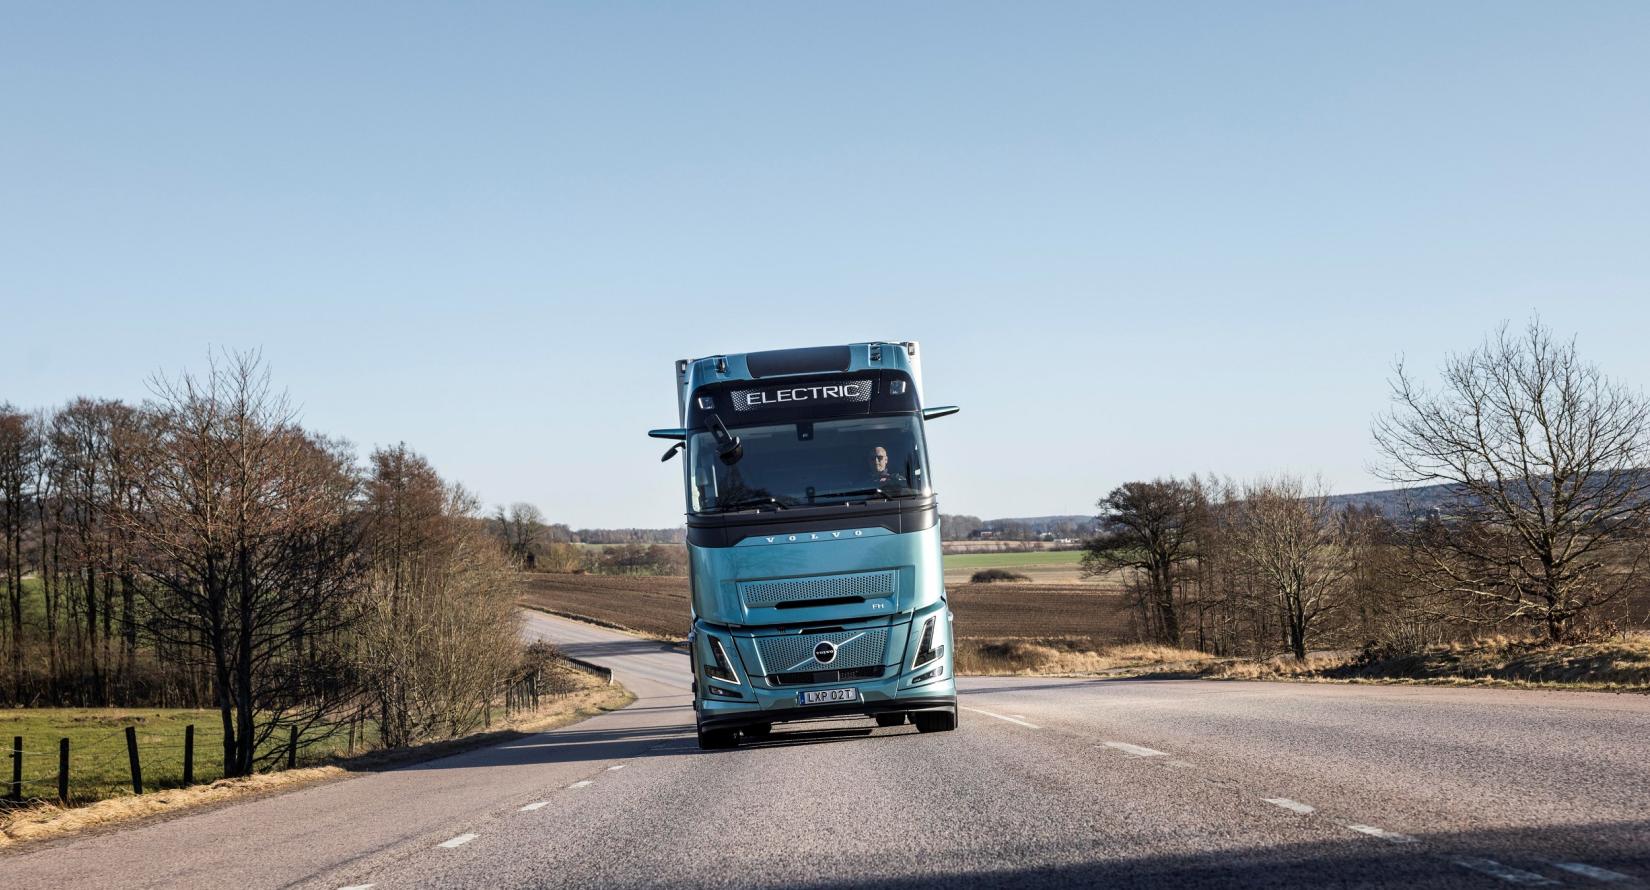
<point>813,540</point>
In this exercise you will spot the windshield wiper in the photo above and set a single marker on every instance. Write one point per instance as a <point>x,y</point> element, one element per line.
<point>767,501</point>
<point>855,493</point>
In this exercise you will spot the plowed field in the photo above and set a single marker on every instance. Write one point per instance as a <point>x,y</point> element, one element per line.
<point>658,606</point>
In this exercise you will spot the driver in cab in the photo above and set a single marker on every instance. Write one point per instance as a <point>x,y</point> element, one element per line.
<point>880,474</point>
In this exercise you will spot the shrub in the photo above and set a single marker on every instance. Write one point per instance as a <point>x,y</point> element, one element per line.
<point>990,576</point>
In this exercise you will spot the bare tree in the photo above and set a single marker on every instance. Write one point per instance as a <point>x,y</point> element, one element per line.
<point>248,541</point>
<point>1150,528</point>
<point>1286,534</point>
<point>522,526</point>
<point>440,631</point>
<point>1547,461</point>
<point>19,455</point>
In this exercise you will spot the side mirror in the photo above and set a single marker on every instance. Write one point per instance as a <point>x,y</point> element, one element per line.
<point>941,411</point>
<point>671,452</point>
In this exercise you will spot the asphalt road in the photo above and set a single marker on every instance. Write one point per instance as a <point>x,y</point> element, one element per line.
<point>1047,783</point>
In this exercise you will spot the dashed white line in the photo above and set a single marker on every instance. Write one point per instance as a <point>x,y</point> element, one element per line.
<point>1594,872</point>
<point>1383,834</point>
<point>1137,750</point>
<point>581,783</point>
<point>1505,872</point>
<point>1002,717</point>
<point>615,766</point>
<point>535,805</point>
<point>358,887</point>
<point>459,841</point>
<point>1291,805</point>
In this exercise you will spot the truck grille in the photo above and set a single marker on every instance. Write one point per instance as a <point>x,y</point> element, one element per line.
<point>784,592</point>
<point>794,653</point>
<point>806,678</point>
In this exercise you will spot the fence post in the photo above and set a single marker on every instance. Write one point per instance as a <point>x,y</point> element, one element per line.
<point>189,754</point>
<point>63,771</point>
<point>292,746</point>
<point>132,755</point>
<point>15,792</point>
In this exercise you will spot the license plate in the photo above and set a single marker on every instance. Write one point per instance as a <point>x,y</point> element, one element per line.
<point>827,696</point>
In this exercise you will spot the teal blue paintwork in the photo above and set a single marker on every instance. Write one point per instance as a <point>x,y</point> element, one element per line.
<point>717,570</point>
<point>720,613</point>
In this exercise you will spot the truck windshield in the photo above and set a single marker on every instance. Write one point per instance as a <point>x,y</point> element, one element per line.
<point>810,463</point>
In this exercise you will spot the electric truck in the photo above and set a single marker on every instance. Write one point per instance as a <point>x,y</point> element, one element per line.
<point>813,540</point>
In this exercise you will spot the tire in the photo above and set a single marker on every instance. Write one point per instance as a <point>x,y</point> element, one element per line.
<point>890,719</point>
<point>758,730</point>
<point>935,721</point>
<point>716,739</point>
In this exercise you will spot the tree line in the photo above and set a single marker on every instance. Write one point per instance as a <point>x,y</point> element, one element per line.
<point>1543,524</point>
<point>203,549</point>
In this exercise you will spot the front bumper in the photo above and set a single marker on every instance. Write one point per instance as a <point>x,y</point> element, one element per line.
<point>717,715</point>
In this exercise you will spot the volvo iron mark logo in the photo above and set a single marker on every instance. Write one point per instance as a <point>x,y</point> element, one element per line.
<point>825,652</point>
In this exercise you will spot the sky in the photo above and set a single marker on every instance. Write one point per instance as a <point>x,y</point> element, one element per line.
<point>1133,239</point>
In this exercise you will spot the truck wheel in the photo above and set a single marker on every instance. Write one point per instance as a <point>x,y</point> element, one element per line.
<point>935,721</point>
<point>713,739</point>
<point>890,719</point>
<point>759,730</point>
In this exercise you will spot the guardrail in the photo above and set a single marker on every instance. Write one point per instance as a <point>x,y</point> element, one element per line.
<point>605,673</point>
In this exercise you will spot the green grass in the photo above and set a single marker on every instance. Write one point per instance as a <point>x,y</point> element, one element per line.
<point>98,765</point>
<point>1013,560</point>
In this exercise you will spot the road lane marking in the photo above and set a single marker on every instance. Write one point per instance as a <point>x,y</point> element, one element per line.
<point>1137,750</point>
<point>612,768</point>
<point>1383,834</point>
<point>535,805</point>
<point>1002,717</point>
<point>1291,805</point>
<point>1594,872</point>
<point>459,841</point>
<point>358,887</point>
<point>1505,872</point>
<point>580,784</point>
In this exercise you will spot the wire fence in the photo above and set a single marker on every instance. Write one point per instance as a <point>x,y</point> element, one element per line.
<point>148,753</point>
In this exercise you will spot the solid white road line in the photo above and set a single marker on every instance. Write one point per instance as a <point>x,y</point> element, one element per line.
<point>581,783</point>
<point>1001,717</point>
<point>612,768</point>
<point>1136,750</point>
<point>1594,872</point>
<point>1291,805</point>
<point>535,805</point>
<point>459,841</point>
<point>1383,834</point>
<point>1505,872</point>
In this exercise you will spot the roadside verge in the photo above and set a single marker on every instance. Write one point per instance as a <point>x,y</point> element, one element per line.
<point>43,820</point>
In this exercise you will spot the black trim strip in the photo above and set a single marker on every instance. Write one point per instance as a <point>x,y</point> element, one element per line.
<point>811,712</point>
<point>898,516</point>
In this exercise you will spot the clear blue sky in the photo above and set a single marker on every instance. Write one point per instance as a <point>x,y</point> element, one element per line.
<point>1134,239</point>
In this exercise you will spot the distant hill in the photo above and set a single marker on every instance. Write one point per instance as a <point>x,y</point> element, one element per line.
<point>1399,503</point>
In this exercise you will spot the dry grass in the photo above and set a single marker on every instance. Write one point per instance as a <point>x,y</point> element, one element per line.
<point>42,820</point>
<point>1621,665</point>
<point>1614,666</point>
<point>1057,656</point>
